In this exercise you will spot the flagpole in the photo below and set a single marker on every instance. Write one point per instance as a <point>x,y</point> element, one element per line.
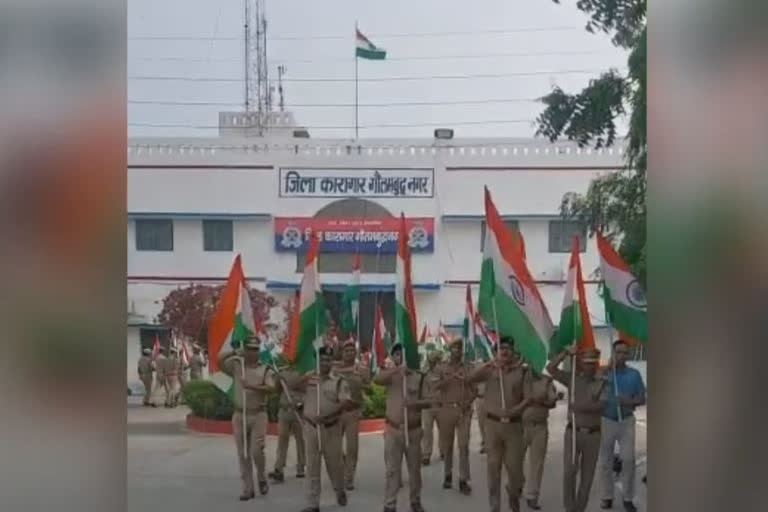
<point>356,84</point>
<point>317,386</point>
<point>245,424</point>
<point>571,396</point>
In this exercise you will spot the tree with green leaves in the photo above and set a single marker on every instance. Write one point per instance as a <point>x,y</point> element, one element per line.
<point>615,203</point>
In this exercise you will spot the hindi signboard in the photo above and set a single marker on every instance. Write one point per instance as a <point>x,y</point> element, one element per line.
<point>353,235</point>
<point>397,183</point>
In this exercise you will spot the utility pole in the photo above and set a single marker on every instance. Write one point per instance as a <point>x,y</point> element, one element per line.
<point>281,69</point>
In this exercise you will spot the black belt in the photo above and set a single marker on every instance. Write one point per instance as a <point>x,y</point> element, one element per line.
<point>584,430</point>
<point>327,424</point>
<point>499,419</point>
<point>394,424</point>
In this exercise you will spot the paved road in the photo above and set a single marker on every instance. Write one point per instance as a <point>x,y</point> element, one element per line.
<point>171,469</point>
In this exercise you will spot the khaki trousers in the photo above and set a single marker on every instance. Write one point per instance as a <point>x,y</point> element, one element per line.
<point>147,381</point>
<point>453,422</point>
<point>289,426</point>
<point>428,420</point>
<point>330,451</point>
<point>350,431</point>
<point>172,390</point>
<point>394,450</point>
<point>253,452</point>
<point>535,440</point>
<point>505,447</point>
<point>587,449</point>
<point>481,419</point>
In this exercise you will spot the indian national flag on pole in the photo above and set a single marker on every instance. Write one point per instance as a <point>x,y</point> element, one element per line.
<point>483,341</point>
<point>232,322</point>
<point>507,285</point>
<point>365,49</point>
<point>575,325</point>
<point>312,319</point>
<point>350,301</point>
<point>405,308</point>
<point>625,301</point>
<point>468,330</point>
<point>378,353</point>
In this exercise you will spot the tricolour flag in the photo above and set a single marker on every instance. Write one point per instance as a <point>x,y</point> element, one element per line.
<point>156,347</point>
<point>575,325</point>
<point>289,348</point>
<point>625,302</point>
<point>405,307</point>
<point>378,352</point>
<point>312,316</point>
<point>350,301</point>
<point>423,337</point>
<point>508,293</point>
<point>483,340</point>
<point>468,329</point>
<point>366,49</point>
<point>232,321</point>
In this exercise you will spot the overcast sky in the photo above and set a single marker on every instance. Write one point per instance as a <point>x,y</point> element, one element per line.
<point>541,43</point>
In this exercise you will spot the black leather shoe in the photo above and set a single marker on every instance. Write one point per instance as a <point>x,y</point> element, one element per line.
<point>425,462</point>
<point>389,509</point>
<point>263,488</point>
<point>341,499</point>
<point>247,496</point>
<point>448,482</point>
<point>416,507</point>
<point>350,486</point>
<point>629,506</point>
<point>311,509</point>
<point>300,474</point>
<point>606,504</point>
<point>277,476</point>
<point>464,488</point>
<point>533,504</point>
<point>482,451</point>
<point>514,504</point>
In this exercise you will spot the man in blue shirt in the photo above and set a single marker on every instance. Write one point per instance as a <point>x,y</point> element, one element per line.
<point>626,391</point>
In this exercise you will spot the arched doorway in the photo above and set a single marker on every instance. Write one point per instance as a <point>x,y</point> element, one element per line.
<point>343,262</point>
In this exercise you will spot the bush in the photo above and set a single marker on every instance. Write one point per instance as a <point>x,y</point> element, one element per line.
<point>273,407</point>
<point>375,402</point>
<point>207,401</point>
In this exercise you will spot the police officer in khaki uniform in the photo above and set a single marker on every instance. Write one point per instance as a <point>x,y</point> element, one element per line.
<point>429,414</point>
<point>289,424</point>
<point>455,397</point>
<point>182,369</point>
<point>161,385</point>
<point>196,364</point>
<point>172,373</point>
<point>322,428</point>
<point>588,400</point>
<point>253,381</point>
<point>543,397</point>
<point>145,370</point>
<point>358,379</point>
<point>504,425</point>
<point>395,443</point>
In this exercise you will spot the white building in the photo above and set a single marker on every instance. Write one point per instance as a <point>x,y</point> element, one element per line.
<point>193,204</point>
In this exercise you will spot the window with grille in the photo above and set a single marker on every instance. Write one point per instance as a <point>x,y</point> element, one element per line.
<point>217,235</point>
<point>561,233</point>
<point>154,235</point>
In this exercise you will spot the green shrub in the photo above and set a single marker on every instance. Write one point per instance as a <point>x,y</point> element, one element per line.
<point>375,402</point>
<point>207,401</point>
<point>273,407</point>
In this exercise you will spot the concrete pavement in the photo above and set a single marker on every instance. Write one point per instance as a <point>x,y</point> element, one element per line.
<point>171,469</point>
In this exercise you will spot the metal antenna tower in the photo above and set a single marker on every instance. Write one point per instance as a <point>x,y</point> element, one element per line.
<point>258,97</point>
<point>281,69</point>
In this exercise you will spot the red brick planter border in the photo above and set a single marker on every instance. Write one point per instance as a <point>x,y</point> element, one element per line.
<point>205,426</point>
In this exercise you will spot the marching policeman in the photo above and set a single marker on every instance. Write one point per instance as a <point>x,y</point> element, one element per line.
<point>253,381</point>
<point>196,364</point>
<point>358,379</point>
<point>401,437</point>
<point>588,397</point>
<point>455,396</point>
<point>543,396</point>
<point>145,370</point>
<point>505,400</point>
<point>429,414</point>
<point>289,424</point>
<point>160,380</point>
<point>322,428</point>
<point>172,372</point>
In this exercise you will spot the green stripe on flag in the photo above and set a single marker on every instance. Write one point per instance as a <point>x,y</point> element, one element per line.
<point>370,54</point>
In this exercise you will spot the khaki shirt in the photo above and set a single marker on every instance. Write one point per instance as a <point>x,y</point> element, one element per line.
<point>258,375</point>
<point>160,366</point>
<point>357,377</point>
<point>196,365</point>
<point>429,387</point>
<point>514,380</point>
<point>393,381</point>
<point>589,390</point>
<point>293,383</point>
<point>171,367</point>
<point>145,366</point>
<point>540,389</point>
<point>456,391</point>
<point>333,391</point>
